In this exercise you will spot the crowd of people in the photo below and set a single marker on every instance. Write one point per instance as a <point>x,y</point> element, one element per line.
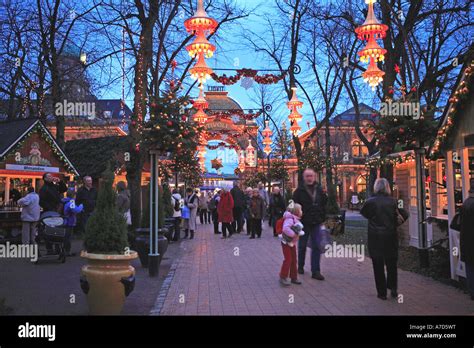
<point>75,208</point>
<point>230,211</point>
<point>296,220</point>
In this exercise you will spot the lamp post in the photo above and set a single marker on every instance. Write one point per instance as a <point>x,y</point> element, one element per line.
<point>153,256</point>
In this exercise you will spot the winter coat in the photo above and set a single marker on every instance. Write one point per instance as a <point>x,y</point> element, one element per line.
<point>203,202</point>
<point>123,201</point>
<point>239,197</point>
<point>264,194</point>
<point>176,197</point>
<point>192,202</point>
<point>87,198</point>
<point>381,211</point>
<point>70,211</point>
<point>277,205</point>
<point>256,208</point>
<point>225,208</point>
<point>290,220</point>
<point>467,231</point>
<point>314,213</point>
<point>50,195</point>
<point>30,211</point>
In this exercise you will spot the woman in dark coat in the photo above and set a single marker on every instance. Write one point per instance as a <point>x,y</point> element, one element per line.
<point>384,216</point>
<point>467,238</point>
<point>277,207</point>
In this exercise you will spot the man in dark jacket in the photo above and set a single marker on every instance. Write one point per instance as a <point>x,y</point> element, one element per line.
<point>239,205</point>
<point>467,238</point>
<point>277,207</point>
<point>50,193</point>
<point>313,200</point>
<point>87,196</point>
<point>382,211</point>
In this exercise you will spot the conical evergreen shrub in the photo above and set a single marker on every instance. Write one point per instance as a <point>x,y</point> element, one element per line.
<point>106,229</point>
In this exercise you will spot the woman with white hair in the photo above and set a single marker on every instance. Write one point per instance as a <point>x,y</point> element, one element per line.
<point>384,217</point>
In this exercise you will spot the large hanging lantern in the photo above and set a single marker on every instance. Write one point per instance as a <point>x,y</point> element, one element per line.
<point>371,27</point>
<point>295,129</point>
<point>200,21</point>
<point>201,45</point>
<point>200,71</point>
<point>373,75</point>
<point>200,25</point>
<point>371,31</point>
<point>267,140</point>
<point>372,51</point>
<point>293,105</point>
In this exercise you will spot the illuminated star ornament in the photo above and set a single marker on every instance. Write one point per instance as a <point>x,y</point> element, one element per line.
<point>216,163</point>
<point>371,31</point>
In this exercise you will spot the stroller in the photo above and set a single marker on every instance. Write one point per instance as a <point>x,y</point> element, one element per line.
<point>51,235</point>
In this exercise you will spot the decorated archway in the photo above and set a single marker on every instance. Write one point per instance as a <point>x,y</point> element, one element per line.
<point>226,126</point>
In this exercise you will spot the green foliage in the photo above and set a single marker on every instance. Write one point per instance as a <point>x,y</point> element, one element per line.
<point>252,179</point>
<point>401,133</point>
<point>331,206</point>
<point>312,157</point>
<point>278,171</point>
<point>106,229</point>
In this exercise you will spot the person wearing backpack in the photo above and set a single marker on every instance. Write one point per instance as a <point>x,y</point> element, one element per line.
<point>291,230</point>
<point>177,205</point>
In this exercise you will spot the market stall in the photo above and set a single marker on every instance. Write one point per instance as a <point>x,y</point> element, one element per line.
<point>27,151</point>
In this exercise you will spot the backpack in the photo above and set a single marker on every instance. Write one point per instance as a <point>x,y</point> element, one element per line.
<point>177,204</point>
<point>279,225</point>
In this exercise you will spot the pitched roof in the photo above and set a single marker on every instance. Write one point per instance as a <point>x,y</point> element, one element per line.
<point>13,131</point>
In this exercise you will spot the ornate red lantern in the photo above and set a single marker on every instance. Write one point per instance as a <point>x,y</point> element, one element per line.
<point>200,71</point>
<point>373,75</point>
<point>293,105</point>
<point>200,21</point>
<point>371,31</point>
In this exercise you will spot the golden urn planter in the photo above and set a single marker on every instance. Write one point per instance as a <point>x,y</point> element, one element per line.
<point>107,280</point>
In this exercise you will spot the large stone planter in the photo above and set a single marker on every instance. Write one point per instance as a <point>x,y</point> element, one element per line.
<point>142,244</point>
<point>107,280</point>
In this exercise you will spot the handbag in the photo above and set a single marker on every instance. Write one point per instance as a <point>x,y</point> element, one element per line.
<point>323,238</point>
<point>456,222</point>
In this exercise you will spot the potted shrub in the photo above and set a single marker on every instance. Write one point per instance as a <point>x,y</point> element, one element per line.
<point>108,277</point>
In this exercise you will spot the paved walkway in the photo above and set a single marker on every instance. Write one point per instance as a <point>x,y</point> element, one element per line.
<point>238,276</point>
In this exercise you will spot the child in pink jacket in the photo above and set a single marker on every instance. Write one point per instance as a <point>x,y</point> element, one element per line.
<point>292,230</point>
